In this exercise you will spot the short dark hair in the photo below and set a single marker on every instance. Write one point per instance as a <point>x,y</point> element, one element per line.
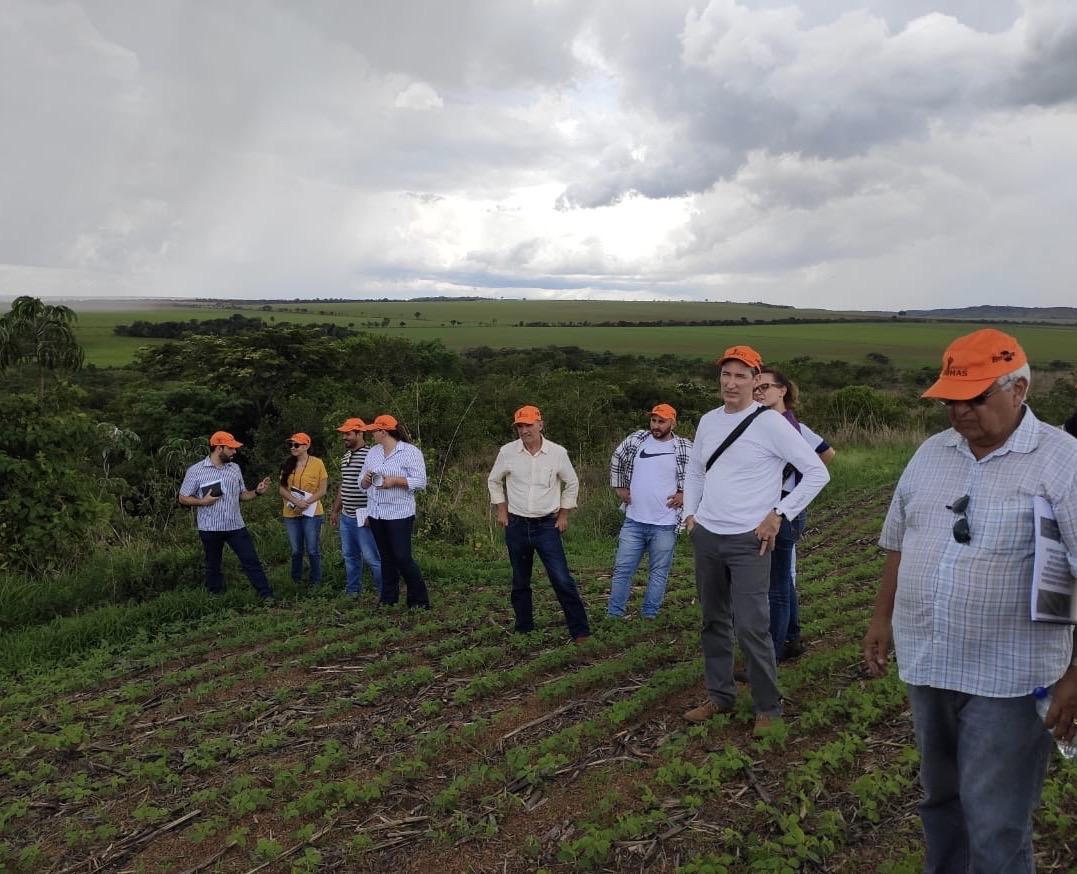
<point>1071,425</point>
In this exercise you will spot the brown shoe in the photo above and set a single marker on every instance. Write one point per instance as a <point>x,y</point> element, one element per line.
<point>764,722</point>
<point>583,638</point>
<point>705,711</point>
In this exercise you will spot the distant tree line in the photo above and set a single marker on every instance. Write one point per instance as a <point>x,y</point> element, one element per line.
<point>95,460</point>
<point>233,326</point>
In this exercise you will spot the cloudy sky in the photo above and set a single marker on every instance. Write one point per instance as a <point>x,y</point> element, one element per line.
<point>879,154</point>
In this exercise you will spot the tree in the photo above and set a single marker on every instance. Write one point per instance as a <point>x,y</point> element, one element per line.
<point>39,333</point>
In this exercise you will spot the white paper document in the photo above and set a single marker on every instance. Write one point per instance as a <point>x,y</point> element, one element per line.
<point>1054,589</point>
<point>306,496</point>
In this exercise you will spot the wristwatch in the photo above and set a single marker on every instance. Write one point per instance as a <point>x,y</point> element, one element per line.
<point>779,514</point>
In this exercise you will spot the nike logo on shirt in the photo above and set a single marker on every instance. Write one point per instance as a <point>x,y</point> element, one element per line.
<point>643,453</point>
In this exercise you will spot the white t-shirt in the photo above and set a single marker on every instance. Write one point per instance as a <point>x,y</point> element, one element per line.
<point>654,479</point>
<point>814,441</point>
<point>745,483</point>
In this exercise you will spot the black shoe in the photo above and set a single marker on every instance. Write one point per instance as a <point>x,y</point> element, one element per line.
<point>794,649</point>
<point>740,676</point>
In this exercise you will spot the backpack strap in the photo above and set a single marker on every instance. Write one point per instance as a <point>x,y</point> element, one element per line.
<point>733,436</point>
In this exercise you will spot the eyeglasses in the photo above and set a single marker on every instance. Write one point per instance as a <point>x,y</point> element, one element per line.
<point>962,534</point>
<point>292,445</point>
<point>977,401</point>
<point>764,386</point>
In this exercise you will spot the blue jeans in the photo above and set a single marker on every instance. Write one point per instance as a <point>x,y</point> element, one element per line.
<point>357,545</point>
<point>636,538</point>
<point>524,537</point>
<point>781,593</point>
<point>393,537</point>
<point>243,546</point>
<point>304,534</point>
<point>982,765</point>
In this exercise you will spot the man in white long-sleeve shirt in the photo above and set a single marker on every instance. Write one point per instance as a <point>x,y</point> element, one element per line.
<point>733,509</point>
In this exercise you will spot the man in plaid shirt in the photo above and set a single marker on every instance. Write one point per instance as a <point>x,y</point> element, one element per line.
<point>647,472</point>
<point>955,596</point>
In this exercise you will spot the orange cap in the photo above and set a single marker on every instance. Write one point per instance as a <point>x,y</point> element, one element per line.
<point>527,415</point>
<point>223,438</point>
<point>353,424</point>
<point>384,422</point>
<point>744,354</point>
<point>971,364</point>
<point>300,437</point>
<point>665,411</point>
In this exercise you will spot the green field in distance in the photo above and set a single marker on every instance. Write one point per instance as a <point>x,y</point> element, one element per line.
<point>496,324</point>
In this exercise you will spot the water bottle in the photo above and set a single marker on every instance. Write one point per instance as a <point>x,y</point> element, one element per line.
<point>1043,704</point>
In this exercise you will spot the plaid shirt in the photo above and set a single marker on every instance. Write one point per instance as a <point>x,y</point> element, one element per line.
<point>624,459</point>
<point>962,613</point>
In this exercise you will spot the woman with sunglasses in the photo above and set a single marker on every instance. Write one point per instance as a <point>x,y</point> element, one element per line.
<point>303,481</point>
<point>779,393</point>
<point>393,471</point>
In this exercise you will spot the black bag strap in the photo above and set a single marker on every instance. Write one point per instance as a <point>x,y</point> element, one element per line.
<point>733,436</point>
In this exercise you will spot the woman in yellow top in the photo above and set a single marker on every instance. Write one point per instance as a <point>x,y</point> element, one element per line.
<point>303,481</point>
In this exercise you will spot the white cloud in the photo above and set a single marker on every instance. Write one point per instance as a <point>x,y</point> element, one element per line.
<point>418,95</point>
<point>876,153</point>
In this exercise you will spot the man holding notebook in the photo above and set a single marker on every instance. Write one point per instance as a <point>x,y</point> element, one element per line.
<point>733,508</point>
<point>214,486</point>
<point>955,595</point>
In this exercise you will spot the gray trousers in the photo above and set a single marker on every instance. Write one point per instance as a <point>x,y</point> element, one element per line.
<point>733,578</point>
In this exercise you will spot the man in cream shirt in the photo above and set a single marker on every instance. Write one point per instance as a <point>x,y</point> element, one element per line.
<point>733,511</point>
<point>532,487</point>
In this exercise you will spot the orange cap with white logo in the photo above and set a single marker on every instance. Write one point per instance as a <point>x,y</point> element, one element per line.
<point>971,364</point>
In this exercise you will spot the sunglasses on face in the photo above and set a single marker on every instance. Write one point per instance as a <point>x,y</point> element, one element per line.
<point>292,445</point>
<point>977,401</point>
<point>962,533</point>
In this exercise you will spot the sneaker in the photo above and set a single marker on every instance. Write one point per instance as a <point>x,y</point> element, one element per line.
<point>764,722</point>
<point>705,711</point>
